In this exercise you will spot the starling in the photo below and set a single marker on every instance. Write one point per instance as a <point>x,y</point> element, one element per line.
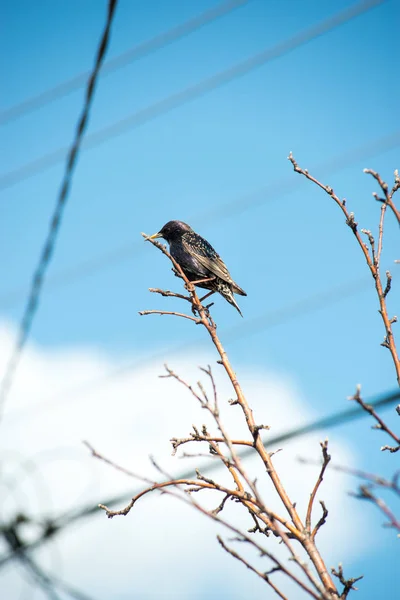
<point>199,261</point>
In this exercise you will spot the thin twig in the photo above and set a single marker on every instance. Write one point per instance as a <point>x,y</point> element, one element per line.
<point>325,461</point>
<point>176,442</point>
<point>213,409</point>
<point>214,515</point>
<point>166,312</point>
<point>265,576</point>
<point>381,424</point>
<point>347,583</point>
<point>365,493</point>
<point>196,484</point>
<point>391,449</point>
<point>296,527</point>
<point>377,480</point>
<point>322,519</point>
<point>169,294</point>
<point>373,259</point>
<point>384,187</point>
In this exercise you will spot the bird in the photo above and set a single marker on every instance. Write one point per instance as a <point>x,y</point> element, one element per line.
<point>199,261</point>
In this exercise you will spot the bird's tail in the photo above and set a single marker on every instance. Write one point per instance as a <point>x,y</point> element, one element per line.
<point>237,289</point>
<point>228,295</point>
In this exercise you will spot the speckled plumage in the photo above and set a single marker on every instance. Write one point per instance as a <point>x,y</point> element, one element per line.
<point>199,260</point>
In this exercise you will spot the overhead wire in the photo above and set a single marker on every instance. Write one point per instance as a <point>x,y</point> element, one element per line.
<point>46,581</point>
<point>383,401</point>
<point>282,315</point>
<point>125,58</point>
<point>267,320</point>
<point>38,576</point>
<point>271,191</point>
<point>324,298</point>
<point>330,421</point>
<point>49,245</point>
<point>191,92</point>
<point>58,524</point>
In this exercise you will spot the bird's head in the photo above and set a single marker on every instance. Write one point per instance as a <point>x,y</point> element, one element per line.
<point>173,230</point>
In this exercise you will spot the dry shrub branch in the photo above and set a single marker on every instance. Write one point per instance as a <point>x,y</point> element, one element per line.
<point>373,254</point>
<point>304,564</point>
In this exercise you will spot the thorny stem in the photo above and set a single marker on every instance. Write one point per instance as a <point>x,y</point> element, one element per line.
<point>373,261</point>
<point>302,534</point>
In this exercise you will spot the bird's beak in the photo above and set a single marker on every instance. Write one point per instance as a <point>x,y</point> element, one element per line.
<point>155,236</point>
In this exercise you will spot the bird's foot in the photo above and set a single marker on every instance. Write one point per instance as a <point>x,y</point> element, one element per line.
<point>205,280</point>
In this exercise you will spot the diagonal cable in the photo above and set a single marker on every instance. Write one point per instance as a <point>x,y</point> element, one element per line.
<point>272,191</point>
<point>63,521</point>
<point>265,321</point>
<point>192,92</point>
<point>127,57</point>
<point>279,316</point>
<point>49,245</point>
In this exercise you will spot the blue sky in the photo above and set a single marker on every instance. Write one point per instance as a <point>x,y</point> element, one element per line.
<point>218,162</point>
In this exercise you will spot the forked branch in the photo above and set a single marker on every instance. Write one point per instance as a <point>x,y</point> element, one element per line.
<point>381,425</point>
<point>286,523</point>
<point>372,255</point>
<point>325,461</point>
<point>294,527</point>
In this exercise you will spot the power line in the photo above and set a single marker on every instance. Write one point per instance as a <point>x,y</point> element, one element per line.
<point>58,524</point>
<point>271,318</point>
<point>194,91</point>
<point>38,575</point>
<point>272,191</point>
<point>329,422</point>
<point>267,320</point>
<point>49,245</point>
<point>48,583</point>
<point>134,53</point>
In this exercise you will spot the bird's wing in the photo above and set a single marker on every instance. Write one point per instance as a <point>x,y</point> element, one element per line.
<point>202,251</point>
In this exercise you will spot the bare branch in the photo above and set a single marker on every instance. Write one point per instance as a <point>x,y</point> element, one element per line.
<point>365,493</point>
<point>203,482</point>
<point>167,293</point>
<point>165,312</point>
<point>198,437</point>
<point>265,576</point>
<point>325,458</point>
<point>322,519</point>
<point>388,284</point>
<point>347,583</point>
<point>391,449</point>
<point>388,196</point>
<point>380,423</point>
<point>245,492</point>
<point>373,259</point>
<point>376,480</point>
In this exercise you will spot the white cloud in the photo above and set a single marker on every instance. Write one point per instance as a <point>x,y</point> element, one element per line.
<point>163,548</point>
